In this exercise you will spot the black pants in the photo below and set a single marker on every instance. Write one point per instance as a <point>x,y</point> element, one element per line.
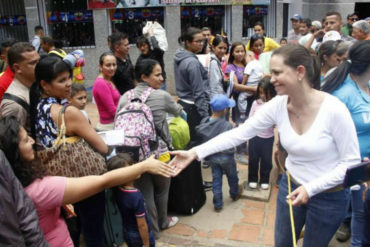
<point>260,153</point>
<point>193,118</point>
<point>91,215</point>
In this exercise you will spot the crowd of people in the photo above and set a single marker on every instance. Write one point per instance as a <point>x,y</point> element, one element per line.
<point>307,95</point>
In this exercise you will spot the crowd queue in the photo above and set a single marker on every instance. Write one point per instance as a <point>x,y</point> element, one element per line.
<point>307,95</point>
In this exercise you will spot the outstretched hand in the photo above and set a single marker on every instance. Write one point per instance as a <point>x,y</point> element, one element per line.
<point>182,160</point>
<point>157,167</point>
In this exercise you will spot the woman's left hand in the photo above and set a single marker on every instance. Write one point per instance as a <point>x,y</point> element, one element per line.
<point>299,196</point>
<point>157,167</point>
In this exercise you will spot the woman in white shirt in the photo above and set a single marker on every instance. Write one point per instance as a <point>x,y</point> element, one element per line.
<point>316,130</point>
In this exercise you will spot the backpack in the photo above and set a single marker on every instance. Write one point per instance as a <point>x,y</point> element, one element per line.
<point>136,119</point>
<point>179,130</point>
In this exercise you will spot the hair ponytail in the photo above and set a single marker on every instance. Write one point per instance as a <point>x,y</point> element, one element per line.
<point>35,96</point>
<point>336,78</point>
<point>316,73</point>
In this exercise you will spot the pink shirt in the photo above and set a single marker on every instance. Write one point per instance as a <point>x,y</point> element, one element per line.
<point>106,98</point>
<point>267,133</point>
<point>47,195</point>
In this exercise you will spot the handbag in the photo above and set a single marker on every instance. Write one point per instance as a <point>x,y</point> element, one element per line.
<point>71,156</point>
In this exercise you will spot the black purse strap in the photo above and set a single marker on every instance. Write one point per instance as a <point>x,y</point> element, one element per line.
<point>18,100</point>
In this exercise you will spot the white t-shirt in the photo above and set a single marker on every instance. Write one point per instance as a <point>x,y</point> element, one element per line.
<point>254,71</point>
<point>318,158</point>
<point>304,39</point>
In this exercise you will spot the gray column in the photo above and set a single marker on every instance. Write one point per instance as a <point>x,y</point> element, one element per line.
<point>32,15</point>
<point>279,19</point>
<point>101,27</point>
<point>172,24</point>
<point>236,22</point>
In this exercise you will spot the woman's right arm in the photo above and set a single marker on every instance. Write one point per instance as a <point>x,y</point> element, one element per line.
<point>264,118</point>
<point>78,189</point>
<point>77,124</point>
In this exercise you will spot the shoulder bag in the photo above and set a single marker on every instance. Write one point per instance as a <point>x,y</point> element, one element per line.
<point>71,156</point>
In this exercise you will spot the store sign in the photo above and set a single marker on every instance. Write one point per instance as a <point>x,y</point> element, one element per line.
<point>14,20</point>
<point>112,4</point>
<point>69,16</point>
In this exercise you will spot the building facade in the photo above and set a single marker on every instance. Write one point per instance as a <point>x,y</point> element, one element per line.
<point>86,24</point>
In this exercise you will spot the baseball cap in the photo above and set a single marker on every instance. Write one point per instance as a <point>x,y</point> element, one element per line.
<point>297,17</point>
<point>367,19</point>
<point>220,102</point>
<point>331,35</point>
<point>317,24</point>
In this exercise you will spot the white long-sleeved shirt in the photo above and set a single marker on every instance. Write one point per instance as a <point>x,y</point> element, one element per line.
<point>317,159</point>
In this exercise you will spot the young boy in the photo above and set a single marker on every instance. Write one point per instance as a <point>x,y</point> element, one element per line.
<point>130,202</point>
<point>222,162</point>
<point>79,98</point>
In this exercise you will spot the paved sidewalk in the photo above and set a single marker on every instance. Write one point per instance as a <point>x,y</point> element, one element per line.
<point>244,223</point>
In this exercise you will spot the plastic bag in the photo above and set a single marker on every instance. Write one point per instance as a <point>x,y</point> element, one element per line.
<point>159,34</point>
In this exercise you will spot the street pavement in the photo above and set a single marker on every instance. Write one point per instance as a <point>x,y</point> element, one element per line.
<point>243,223</point>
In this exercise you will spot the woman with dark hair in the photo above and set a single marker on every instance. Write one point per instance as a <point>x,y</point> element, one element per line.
<point>191,78</point>
<point>257,45</point>
<point>319,136</point>
<point>269,43</point>
<point>328,57</point>
<point>350,83</point>
<point>216,75</point>
<point>52,86</point>
<point>49,193</point>
<point>155,189</point>
<point>236,64</point>
<point>105,93</point>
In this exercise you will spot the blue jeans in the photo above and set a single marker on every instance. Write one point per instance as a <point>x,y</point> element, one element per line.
<point>322,216</point>
<point>222,163</point>
<point>366,236</point>
<point>358,217</point>
<point>133,239</point>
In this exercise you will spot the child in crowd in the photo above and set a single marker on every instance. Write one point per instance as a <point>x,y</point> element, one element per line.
<point>260,147</point>
<point>79,98</point>
<point>283,41</point>
<point>137,231</point>
<point>253,73</point>
<point>236,64</point>
<point>222,162</point>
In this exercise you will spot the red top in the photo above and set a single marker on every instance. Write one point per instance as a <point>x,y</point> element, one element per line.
<point>5,81</point>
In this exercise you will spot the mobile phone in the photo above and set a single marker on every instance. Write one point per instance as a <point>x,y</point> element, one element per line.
<point>357,174</point>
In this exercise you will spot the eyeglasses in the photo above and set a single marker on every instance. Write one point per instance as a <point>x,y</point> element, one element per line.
<point>198,41</point>
<point>354,19</point>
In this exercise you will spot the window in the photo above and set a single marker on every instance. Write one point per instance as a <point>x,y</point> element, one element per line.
<point>132,21</point>
<point>71,23</point>
<point>252,14</point>
<point>203,16</point>
<point>13,23</point>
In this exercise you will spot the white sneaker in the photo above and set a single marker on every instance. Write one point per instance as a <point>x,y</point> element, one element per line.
<point>172,221</point>
<point>265,186</point>
<point>252,185</point>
